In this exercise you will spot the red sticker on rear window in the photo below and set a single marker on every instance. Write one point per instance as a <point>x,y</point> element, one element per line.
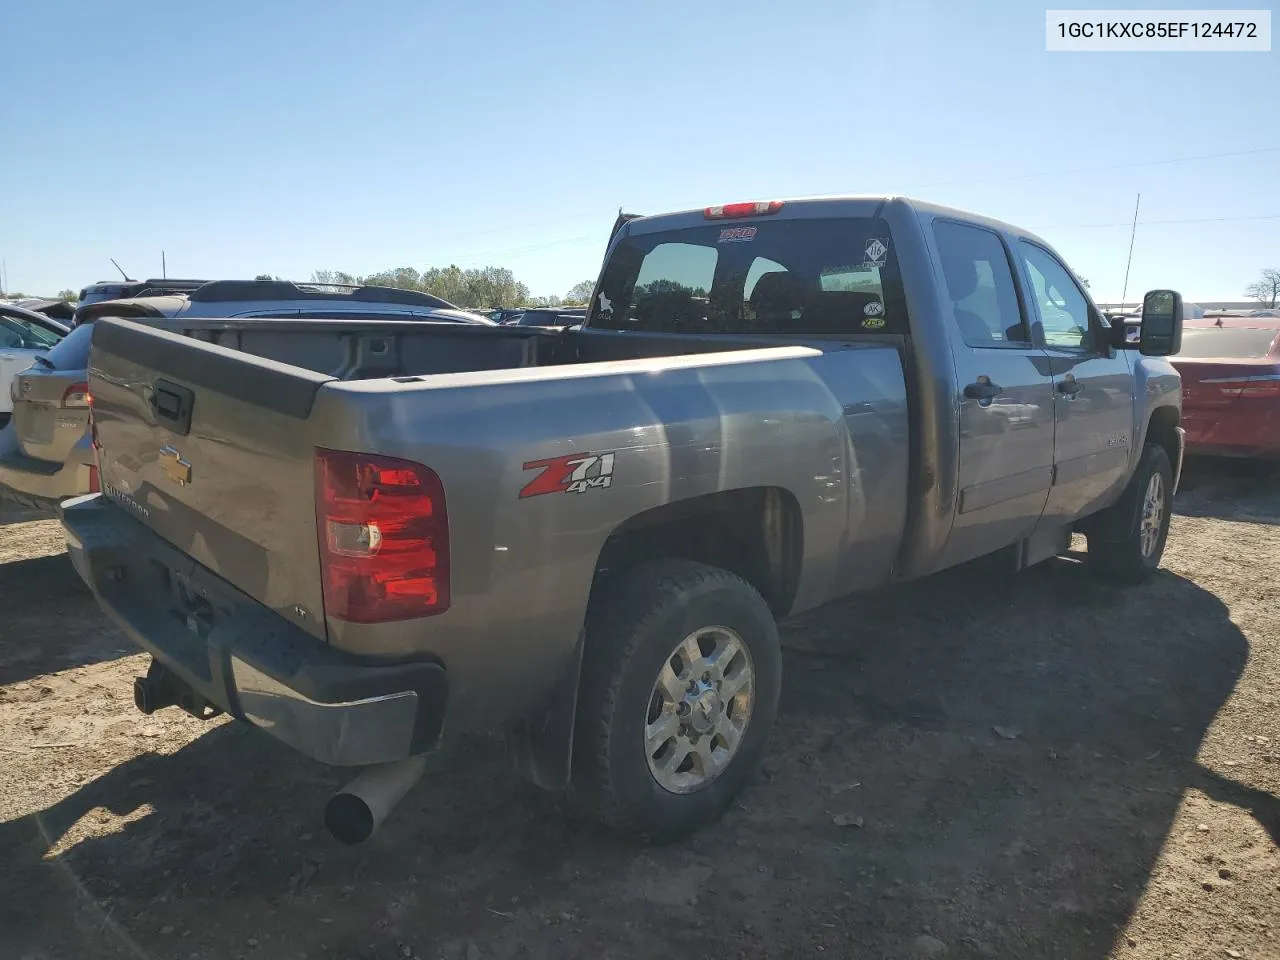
<point>731,234</point>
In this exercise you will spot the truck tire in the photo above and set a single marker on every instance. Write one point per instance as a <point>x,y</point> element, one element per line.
<point>680,680</point>
<point>1127,539</point>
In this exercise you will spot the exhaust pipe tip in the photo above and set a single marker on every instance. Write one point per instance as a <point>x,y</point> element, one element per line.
<point>355,812</point>
<point>349,819</point>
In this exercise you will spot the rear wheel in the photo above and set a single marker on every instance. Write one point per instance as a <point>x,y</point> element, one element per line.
<point>680,682</point>
<point>1127,540</point>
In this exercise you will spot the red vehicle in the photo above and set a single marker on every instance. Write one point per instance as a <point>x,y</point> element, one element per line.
<point>1230,370</point>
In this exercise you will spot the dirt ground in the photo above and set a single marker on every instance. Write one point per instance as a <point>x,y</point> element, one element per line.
<point>979,765</point>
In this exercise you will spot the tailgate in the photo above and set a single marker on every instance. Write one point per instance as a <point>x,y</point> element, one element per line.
<point>212,449</point>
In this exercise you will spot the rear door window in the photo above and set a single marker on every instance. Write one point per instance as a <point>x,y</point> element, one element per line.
<point>979,284</point>
<point>790,276</point>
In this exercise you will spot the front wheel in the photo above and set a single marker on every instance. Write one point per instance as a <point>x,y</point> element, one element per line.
<point>1127,540</point>
<point>680,680</point>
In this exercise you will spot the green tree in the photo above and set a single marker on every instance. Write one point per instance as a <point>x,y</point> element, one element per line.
<point>333,276</point>
<point>1267,290</point>
<point>263,276</point>
<point>579,293</point>
<point>69,294</point>
<point>448,283</point>
<point>484,287</point>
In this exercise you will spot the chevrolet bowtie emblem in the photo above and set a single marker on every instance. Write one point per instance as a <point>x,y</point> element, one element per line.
<point>175,468</point>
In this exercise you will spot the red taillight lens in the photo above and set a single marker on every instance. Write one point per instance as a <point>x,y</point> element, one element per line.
<point>384,537</point>
<point>76,395</point>
<point>730,211</point>
<point>94,485</point>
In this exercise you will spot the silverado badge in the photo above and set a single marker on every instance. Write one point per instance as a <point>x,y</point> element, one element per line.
<point>175,468</point>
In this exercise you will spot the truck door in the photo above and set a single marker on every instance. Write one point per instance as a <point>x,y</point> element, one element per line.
<point>1006,404</point>
<point>1093,390</point>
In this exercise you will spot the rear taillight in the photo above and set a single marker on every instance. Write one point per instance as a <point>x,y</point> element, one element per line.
<point>730,211</point>
<point>76,395</point>
<point>384,537</point>
<point>94,485</point>
<point>1261,386</point>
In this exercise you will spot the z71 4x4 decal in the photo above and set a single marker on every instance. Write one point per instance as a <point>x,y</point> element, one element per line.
<point>572,473</point>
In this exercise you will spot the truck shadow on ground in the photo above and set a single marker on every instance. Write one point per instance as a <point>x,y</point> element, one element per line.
<point>986,759</point>
<point>51,621</point>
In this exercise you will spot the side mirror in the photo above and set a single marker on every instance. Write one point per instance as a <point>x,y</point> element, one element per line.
<point>1161,324</point>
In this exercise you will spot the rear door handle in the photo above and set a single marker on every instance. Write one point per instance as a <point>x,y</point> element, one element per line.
<point>1069,387</point>
<point>983,389</point>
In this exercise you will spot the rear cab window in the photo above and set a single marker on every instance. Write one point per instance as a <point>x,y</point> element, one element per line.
<point>797,277</point>
<point>72,351</point>
<point>1228,343</point>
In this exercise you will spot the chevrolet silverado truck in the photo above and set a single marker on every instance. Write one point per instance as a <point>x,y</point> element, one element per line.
<point>371,538</point>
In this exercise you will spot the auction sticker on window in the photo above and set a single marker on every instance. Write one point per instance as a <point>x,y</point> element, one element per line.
<point>1181,31</point>
<point>877,252</point>
<point>737,234</point>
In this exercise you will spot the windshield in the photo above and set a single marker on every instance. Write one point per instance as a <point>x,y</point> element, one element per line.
<point>1227,343</point>
<point>810,276</point>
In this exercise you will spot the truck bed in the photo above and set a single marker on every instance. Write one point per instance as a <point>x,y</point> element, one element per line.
<point>209,437</point>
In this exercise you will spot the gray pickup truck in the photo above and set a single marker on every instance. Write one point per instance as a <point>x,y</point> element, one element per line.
<point>369,538</point>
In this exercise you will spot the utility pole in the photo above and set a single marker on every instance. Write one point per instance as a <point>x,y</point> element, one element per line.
<point>1129,262</point>
<point>164,270</point>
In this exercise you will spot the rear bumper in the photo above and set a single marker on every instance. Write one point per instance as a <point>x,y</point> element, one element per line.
<point>39,483</point>
<point>245,658</point>
<point>1238,431</point>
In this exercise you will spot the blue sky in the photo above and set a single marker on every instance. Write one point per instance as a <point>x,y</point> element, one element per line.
<point>286,137</point>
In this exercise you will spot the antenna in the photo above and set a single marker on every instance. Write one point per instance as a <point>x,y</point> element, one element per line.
<point>127,278</point>
<point>1129,262</point>
<point>164,270</point>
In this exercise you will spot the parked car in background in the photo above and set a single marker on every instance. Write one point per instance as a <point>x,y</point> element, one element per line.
<point>583,535</point>
<point>49,457</point>
<point>61,310</point>
<point>126,289</point>
<point>504,314</point>
<point>1230,370</point>
<point>24,337</point>
<point>550,317</point>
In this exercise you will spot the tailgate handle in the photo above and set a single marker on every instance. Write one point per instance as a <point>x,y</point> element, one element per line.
<point>172,404</point>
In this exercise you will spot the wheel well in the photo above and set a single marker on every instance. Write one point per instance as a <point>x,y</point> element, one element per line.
<point>1163,430</point>
<point>756,533</point>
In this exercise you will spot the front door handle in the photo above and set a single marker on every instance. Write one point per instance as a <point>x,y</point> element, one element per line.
<point>1070,387</point>
<point>983,389</point>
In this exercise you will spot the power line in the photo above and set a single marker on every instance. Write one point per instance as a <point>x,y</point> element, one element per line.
<point>1112,166</point>
<point>1143,223</point>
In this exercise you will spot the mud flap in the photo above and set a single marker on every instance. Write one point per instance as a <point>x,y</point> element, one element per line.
<point>541,744</point>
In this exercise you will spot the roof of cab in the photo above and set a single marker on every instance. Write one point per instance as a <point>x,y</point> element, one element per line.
<point>854,205</point>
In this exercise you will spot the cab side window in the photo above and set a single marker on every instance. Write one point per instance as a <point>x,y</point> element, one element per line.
<point>1063,308</point>
<point>980,285</point>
